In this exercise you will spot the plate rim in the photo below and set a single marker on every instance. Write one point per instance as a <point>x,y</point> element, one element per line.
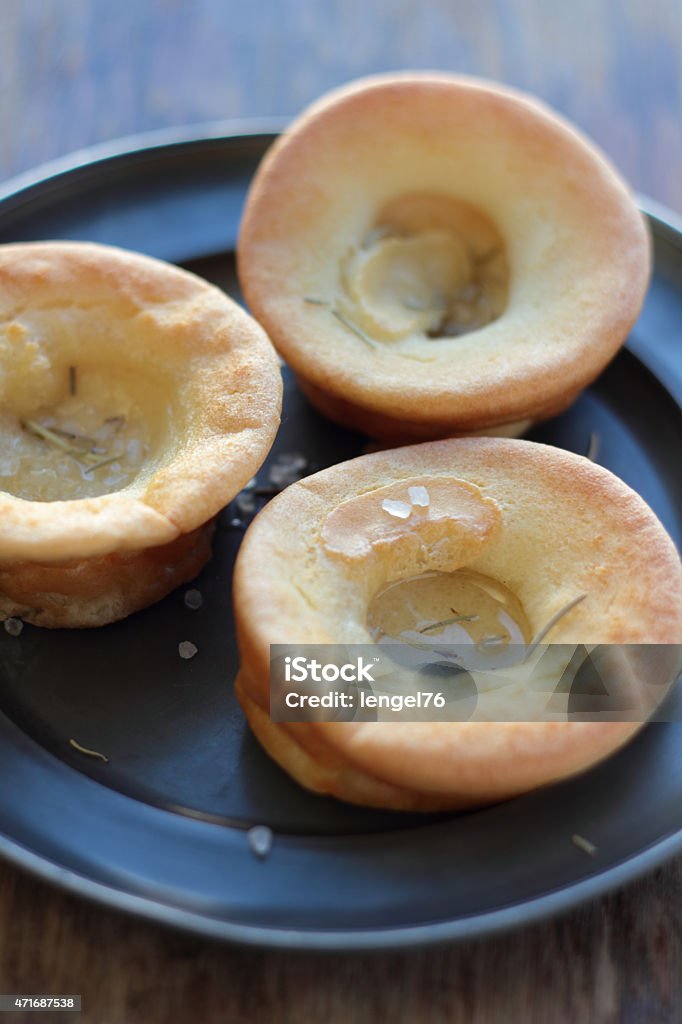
<point>367,940</point>
<point>666,223</point>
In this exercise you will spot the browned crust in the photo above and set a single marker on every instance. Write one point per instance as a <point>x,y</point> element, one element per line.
<point>323,768</point>
<point>398,430</point>
<point>91,592</point>
<point>546,347</point>
<point>91,561</point>
<point>585,530</point>
<point>323,771</point>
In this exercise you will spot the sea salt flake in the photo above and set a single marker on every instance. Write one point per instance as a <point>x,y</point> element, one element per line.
<point>292,460</point>
<point>288,468</point>
<point>260,840</point>
<point>246,503</point>
<point>419,496</point>
<point>399,509</point>
<point>187,650</point>
<point>194,599</point>
<point>13,627</point>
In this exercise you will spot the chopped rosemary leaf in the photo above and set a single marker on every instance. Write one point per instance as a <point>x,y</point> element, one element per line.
<point>92,466</point>
<point>351,326</point>
<point>447,622</point>
<point>402,639</point>
<point>72,380</point>
<point>313,301</point>
<point>584,844</point>
<point>553,621</point>
<point>89,753</point>
<point>83,439</point>
<point>89,458</point>
<point>49,435</point>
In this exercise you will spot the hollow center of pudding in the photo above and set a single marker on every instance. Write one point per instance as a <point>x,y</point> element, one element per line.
<point>101,430</point>
<point>462,607</point>
<point>430,265</point>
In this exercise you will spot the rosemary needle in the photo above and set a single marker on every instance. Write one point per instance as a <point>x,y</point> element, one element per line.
<point>72,380</point>
<point>447,622</point>
<point>312,300</point>
<point>357,331</point>
<point>88,458</point>
<point>69,435</point>
<point>49,435</point>
<point>103,462</point>
<point>553,621</point>
<point>89,753</point>
<point>584,844</point>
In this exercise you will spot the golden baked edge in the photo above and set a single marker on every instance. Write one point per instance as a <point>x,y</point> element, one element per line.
<point>86,562</point>
<point>366,390</point>
<point>375,763</point>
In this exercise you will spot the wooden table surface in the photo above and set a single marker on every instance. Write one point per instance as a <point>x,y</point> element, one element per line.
<point>77,72</point>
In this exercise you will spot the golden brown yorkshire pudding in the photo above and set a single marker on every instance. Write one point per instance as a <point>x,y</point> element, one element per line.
<point>135,402</point>
<point>510,530</point>
<point>437,255</point>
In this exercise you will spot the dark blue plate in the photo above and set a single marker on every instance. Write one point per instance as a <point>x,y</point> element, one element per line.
<point>162,828</point>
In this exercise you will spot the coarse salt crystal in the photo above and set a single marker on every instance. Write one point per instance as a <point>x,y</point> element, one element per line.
<point>246,503</point>
<point>187,650</point>
<point>399,509</point>
<point>13,626</point>
<point>292,460</point>
<point>287,469</point>
<point>193,599</point>
<point>419,496</point>
<point>260,840</point>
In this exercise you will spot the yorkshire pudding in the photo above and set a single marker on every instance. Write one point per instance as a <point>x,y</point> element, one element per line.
<point>437,255</point>
<point>136,400</point>
<point>539,528</point>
